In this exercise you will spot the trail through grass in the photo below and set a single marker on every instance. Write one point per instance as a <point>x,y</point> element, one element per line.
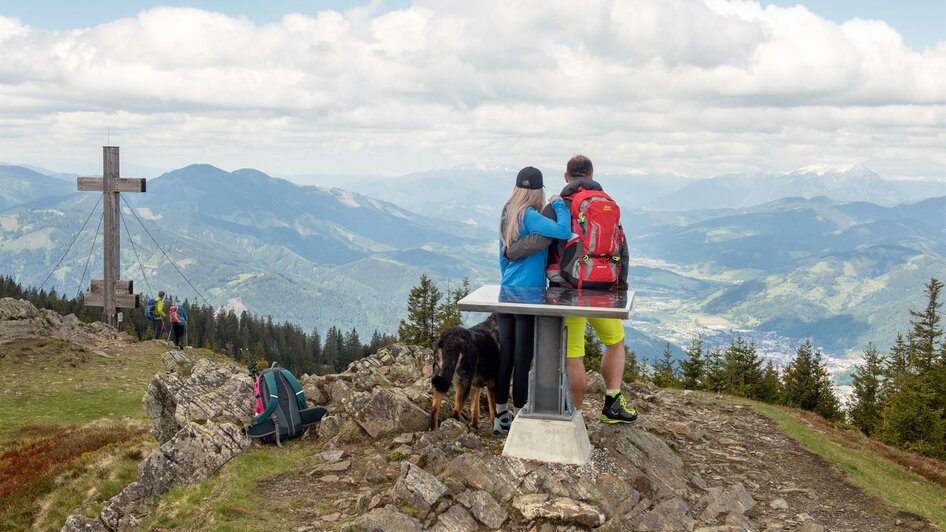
<point>866,469</point>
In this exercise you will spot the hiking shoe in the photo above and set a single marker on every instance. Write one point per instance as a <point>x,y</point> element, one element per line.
<point>502,422</point>
<point>616,410</point>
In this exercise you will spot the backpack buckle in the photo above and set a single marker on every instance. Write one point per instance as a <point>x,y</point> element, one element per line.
<point>616,258</point>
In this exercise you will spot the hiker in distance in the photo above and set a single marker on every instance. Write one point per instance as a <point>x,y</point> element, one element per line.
<point>520,217</point>
<point>154,311</point>
<point>593,256</point>
<point>177,315</point>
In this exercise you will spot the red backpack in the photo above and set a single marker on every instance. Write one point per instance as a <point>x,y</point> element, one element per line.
<point>174,314</point>
<point>591,258</point>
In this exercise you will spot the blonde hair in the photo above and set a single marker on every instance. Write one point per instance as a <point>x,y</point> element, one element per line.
<point>515,210</point>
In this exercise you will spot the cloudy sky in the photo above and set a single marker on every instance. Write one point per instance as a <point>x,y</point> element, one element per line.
<point>694,87</point>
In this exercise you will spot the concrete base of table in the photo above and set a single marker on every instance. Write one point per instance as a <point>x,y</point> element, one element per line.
<point>549,440</point>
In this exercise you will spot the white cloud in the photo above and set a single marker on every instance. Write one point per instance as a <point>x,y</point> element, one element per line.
<point>678,85</point>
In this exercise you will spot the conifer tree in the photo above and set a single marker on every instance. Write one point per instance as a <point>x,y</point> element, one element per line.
<point>632,368</point>
<point>808,384</point>
<point>593,349</point>
<point>714,378</point>
<point>448,315</point>
<point>868,381</point>
<point>420,328</point>
<point>927,330</point>
<point>693,366</point>
<point>664,374</point>
<point>742,368</point>
<point>769,389</point>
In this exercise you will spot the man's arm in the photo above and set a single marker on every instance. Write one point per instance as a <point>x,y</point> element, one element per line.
<point>159,309</point>
<point>530,244</point>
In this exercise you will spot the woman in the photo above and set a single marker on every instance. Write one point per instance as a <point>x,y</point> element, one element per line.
<point>520,217</point>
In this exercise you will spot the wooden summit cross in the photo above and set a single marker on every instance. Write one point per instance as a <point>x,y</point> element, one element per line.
<point>111,293</point>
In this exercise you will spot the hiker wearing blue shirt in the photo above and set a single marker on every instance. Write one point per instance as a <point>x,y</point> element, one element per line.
<point>521,217</point>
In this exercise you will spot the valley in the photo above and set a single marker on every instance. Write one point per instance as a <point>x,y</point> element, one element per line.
<point>323,256</point>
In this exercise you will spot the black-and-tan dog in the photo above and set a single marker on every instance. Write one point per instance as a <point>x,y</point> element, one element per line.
<point>469,358</point>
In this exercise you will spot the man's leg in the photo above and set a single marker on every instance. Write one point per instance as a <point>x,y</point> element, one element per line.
<point>611,333</point>
<point>575,359</point>
<point>612,365</point>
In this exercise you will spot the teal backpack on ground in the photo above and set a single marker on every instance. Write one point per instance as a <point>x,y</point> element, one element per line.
<point>280,407</point>
<point>149,308</point>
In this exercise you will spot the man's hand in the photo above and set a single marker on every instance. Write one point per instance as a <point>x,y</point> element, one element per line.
<point>554,197</point>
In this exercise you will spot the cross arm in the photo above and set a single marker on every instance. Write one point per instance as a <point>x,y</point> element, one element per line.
<point>122,184</point>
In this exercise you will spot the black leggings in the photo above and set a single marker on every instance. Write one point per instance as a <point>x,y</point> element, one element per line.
<point>516,335</point>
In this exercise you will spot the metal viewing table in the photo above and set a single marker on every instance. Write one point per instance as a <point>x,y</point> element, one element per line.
<point>548,428</point>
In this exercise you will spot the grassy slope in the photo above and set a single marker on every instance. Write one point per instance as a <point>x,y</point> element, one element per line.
<point>74,428</point>
<point>869,465</point>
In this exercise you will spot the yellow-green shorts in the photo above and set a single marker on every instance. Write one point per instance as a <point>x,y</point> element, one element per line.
<point>610,331</point>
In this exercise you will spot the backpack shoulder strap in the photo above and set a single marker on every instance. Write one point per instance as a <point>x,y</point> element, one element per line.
<point>273,398</point>
<point>296,387</point>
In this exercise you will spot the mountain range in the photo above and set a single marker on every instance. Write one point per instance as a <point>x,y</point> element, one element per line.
<point>327,255</point>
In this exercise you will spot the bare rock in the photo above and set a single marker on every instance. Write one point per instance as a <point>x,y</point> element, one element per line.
<point>81,523</point>
<point>17,309</point>
<point>313,395</point>
<point>455,519</point>
<point>387,519</point>
<point>734,499</point>
<point>595,383</point>
<point>485,508</point>
<point>811,527</point>
<point>668,516</point>
<point>197,392</point>
<point>390,412</point>
<point>561,510</point>
<point>779,504</point>
<point>418,487</point>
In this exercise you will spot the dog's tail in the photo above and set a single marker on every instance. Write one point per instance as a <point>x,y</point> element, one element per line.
<point>447,353</point>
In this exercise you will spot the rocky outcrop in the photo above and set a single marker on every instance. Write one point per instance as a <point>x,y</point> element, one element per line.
<point>198,409</point>
<point>20,319</point>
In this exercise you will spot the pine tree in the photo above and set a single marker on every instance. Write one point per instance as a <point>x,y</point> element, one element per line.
<point>593,349</point>
<point>714,378</point>
<point>769,389</point>
<point>927,330</point>
<point>742,368</point>
<point>448,315</point>
<point>867,380</point>
<point>664,374</point>
<point>808,384</point>
<point>693,366</point>
<point>420,328</point>
<point>632,368</point>
<point>908,421</point>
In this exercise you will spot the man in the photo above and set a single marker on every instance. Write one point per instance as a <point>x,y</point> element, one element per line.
<point>579,174</point>
<point>157,322</point>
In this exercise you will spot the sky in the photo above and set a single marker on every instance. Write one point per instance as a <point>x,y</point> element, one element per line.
<point>694,87</point>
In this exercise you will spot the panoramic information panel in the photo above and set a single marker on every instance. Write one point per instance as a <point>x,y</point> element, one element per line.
<point>549,301</point>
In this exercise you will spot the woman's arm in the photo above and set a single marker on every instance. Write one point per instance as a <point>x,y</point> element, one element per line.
<point>560,228</point>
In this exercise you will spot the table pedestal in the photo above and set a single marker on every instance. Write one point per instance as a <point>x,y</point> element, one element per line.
<point>548,428</point>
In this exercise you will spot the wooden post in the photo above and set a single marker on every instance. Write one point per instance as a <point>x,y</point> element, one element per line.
<point>112,234</point>
<point>111,293</point>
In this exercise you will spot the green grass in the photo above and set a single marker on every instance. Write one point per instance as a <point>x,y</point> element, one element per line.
<point>51,382</point>
<point>231,499</point>
<point>867,470</point>
<point>74,427</point>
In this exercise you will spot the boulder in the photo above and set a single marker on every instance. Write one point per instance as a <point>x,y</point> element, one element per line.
<point>387,519</point>
<point>418,487</point>
<point>389,411</point>
<point>197,392</point>
<point>16,309</point>
<point>561,510</point>
<point>455,519</point>
<point>668,516</point>
<point>486,510</point>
